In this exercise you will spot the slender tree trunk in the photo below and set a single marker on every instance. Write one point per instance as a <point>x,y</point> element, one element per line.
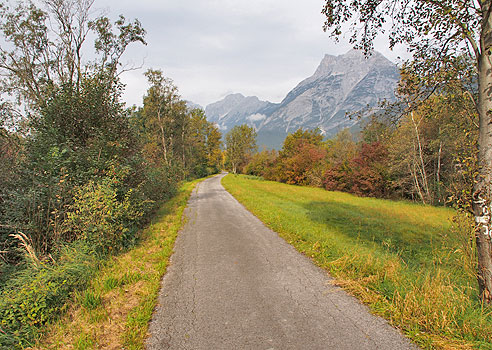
<point>438,173</point>
<point>183,148</point>
<point>171,145</point>
<point>163,136</point>
<point>423,173</point>
<point>483,187</point>
<point>413,171</point>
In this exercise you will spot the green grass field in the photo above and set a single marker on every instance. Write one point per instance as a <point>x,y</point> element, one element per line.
<point>412,264</point>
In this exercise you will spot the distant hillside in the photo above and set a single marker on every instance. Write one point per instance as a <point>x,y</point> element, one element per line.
<point>192,105</point>
<point>340,85</point>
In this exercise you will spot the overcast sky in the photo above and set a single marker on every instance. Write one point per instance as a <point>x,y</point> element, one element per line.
<point>212,48</point>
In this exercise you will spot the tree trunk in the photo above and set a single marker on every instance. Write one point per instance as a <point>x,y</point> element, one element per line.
<point>163,135</point>
<point>183,148</point>
<point>423,172</point>
<point>413,172</point>
<point>438,172</point>
<point>483,187</point>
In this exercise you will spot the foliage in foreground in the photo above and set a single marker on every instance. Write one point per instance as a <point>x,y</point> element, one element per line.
<point>110,296</point>
<point>81,173</point>
<point>115,309</point>
<point>412,264</point>
<point>37,294</point>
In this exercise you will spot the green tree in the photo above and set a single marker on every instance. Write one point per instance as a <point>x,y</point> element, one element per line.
<point>300,136</point>
<point>196,142</point>
<point>158,113</point>
<point>204,141</point>
<point>43,47</point>
<point>173,136</point>
<point>214,143</point>
<point>240,143</point>
<point>341,148</point>
<point>77,127</point>
<point>436,33</point>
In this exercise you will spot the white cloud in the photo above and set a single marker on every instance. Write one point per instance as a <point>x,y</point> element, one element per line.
<point>256,117</point>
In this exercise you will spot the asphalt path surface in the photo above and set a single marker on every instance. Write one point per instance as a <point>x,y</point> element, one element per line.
<point>235,284</point>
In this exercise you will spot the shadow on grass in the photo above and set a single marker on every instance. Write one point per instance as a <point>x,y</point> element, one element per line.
<point>414,243</point>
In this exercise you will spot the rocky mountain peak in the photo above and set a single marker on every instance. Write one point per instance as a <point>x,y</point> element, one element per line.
<point>351,61</point>
<point>233,108</point>
<point>237,97</point>
<point>340,85</point>
<point>326,65</point>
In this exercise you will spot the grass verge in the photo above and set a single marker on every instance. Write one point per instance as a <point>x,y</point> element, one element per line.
<point>412,264</point>
<point>113,312</point>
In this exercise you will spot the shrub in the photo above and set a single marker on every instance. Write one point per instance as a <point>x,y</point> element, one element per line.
<point>261,162</point>
<point>160,183</point>
<point>38,294</point>
<point>365,174</point>
<point>104,220</point>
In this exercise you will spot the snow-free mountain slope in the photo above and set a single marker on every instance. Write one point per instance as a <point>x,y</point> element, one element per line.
<point>236,109</point>
<point>340,85</point>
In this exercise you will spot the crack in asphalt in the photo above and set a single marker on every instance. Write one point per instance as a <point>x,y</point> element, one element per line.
<point>235,284</point>
<point>194,276</point>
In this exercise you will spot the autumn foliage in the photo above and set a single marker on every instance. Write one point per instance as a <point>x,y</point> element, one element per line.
<point>363,175</point>
<point>338,165</point>
<point>426,152</point>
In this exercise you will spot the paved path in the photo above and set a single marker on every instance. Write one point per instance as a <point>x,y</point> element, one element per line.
<point>234,284</point>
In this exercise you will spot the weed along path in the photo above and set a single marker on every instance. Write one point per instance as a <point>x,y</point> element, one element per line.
<point>234,284</point>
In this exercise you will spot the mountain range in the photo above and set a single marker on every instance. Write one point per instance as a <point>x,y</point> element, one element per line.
<point>340,85</point>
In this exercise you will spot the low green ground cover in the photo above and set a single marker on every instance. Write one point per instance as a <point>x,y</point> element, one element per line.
<point>104,301</point>
<point>412,264</point>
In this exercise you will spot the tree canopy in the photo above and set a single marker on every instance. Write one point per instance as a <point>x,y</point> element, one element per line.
<point>240,142</point>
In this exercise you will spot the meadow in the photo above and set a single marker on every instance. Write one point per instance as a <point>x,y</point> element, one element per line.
<point>411,264</point>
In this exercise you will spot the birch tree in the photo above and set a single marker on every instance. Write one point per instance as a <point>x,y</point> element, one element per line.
<point>240,142</point>
<point>435,31</point>
<point>158,105</point>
